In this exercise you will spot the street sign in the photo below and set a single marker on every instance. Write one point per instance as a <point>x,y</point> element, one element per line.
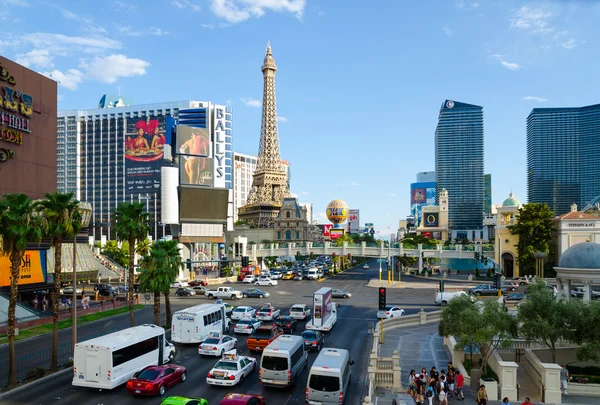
<point>381,260</point>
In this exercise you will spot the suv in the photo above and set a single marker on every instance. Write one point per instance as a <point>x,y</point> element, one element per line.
<point>445,297</point>
<point>106,290</point>
<point>262,336</point>
<point>184,291</point>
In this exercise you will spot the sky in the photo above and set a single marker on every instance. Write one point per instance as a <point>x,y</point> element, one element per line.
<point>359,84</point>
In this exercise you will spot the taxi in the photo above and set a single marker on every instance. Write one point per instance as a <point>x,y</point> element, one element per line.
<point>242,312</point>
<point>228,306</point>
<point>184,401</point>
<point>267,313</point>
<point>217,344</point>
<point>288,276</point>
<point>242,399</point>
<point>247,325</point>
<point>231,369</point>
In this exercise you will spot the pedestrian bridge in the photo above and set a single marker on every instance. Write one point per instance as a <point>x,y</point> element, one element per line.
<point>259,251</point>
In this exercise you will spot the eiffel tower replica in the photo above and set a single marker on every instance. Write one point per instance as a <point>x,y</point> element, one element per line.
<point>269,183</point>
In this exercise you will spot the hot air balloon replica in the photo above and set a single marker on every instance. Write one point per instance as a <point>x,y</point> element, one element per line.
<point>337,213</point>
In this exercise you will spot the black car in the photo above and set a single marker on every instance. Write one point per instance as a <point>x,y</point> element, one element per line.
<point>313,340</point>
<point>286,323</point>
<point>184,291</point>
<point>255,293</point>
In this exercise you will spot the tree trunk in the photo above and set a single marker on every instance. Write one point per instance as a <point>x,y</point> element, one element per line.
<point>168,308</point>
<point>553,351</point>
<point>55,299</point>
<point>130,281</point>
<point>157,308</point>
<point>16,257</point>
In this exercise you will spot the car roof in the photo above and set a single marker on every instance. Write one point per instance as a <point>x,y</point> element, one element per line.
<point>238,399</point>
<point>243,307</point>
<point>157,368</point>
<point>176,400</point>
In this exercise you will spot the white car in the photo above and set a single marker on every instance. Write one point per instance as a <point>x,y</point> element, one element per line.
<point>249,279</point>
<point>300,311</point>
<point>267,313</point>
<point>276,275</point>
<point>231,369</point>
<point>264,280</point>
<point>247,325</point>
<point>390,312</point>
<point>365,266</point>
<point>217,344</point>
<point>242,312</point>
<point>178,284</point>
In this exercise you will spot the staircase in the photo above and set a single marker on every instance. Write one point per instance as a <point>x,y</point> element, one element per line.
<point>112,269</point>
<point>23,313</point>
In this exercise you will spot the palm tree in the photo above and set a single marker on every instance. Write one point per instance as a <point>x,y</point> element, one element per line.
<point>143,247</point>
<point>131,226</point>
<point>173,264</point>
<point>344,238</point>
<point>61,211</point>
<point>19,225</point>
<point>153,277</point>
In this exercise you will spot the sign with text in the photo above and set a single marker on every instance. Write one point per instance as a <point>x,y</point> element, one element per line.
<point>327,231</point>
<point>32,270</point>
<point>353,221</point>
<point>430,220</point>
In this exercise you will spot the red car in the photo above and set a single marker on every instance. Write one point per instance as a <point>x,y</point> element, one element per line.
<point>242,399</point>
<point>197,283</point>
<point>154,380</point>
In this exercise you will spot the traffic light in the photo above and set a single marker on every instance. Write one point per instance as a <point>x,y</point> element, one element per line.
<point>442,286</point>
<point>245,261</point>
<point>485,260</point>
<point>477,256</point>
<point>349,256</point>
<point>382,303</point>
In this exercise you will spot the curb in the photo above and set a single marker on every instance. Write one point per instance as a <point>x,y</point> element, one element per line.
<point>25,386</point>
<point>454,280</point>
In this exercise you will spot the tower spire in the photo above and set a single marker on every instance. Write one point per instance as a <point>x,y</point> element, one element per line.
<point>269,184</point>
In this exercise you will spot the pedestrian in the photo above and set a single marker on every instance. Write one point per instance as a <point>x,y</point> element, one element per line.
<point>482,396</point>
<point>443,390</point>
<point>527,401</point>
<point>505,401</point>
<point>450,366</point>
<point>63,302</point>
<point>35,302</point>
<point>430,391</point>
<point>460,382</point>
<point>433,374</point>
<point>411,383</point>
<point>420,389</point>
<point>450,380</point>
<point>564,379</point>
<point>44,303</point>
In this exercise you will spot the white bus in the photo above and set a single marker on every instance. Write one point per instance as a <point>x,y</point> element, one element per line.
<point>193,325</point>
<point>108,361</point>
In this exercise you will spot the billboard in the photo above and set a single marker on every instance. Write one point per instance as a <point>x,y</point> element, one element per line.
<point>193,141</point>
<point>421,194</point>
<point>221,145</point>
<point>353,221</point>
<point>206,205</point>
<point>32,270</point>
<point>431,220</point>
<point>196,170</point>
<point>327,231</point>
<point>145,141</point>
<point>335,233</point>
<point>369,227</point>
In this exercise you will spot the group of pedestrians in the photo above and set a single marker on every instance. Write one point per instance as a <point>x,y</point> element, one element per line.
<point>426,387</point>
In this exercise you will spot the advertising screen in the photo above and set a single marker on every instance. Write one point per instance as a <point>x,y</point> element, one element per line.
<point>203,205</point>
<point>196,170</point>
<point>144,154</point>
<point>354,221</point>
<point>327,231</point>
<point>193,141</point>
<point>430,220</point>
<point>33,268</point>
<point>335,233</point>
<point>421,194</point>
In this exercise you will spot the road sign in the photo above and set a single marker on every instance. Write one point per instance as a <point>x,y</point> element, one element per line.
<point>381,260</point>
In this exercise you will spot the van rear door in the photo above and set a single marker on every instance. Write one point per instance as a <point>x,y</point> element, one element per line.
<point>274,368</point>
<point>184,328</point>
<point>92,366</point>
<point>324,388</point>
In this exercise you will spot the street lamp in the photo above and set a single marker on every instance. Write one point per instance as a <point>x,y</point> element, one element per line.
<point>85,209</point>
<point>539,257</point>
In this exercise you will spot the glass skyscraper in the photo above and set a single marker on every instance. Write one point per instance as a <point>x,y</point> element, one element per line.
<point>563,156</point>
<point>459,167</point>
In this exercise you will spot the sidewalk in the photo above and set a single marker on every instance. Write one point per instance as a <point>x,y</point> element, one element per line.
<point>421,346</point>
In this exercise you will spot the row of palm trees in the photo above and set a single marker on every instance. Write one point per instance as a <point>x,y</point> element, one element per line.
<point>57,218</point>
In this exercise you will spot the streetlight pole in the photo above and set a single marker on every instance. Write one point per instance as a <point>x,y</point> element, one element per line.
<point>389,259</point>
<point>74,301</point>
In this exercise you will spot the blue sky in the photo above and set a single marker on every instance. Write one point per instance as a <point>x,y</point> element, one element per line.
<point>359,84</point>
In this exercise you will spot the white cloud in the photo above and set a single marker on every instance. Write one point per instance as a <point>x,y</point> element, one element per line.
<point>321,13</point>
<point>228,102</point>
<point>250,102</point>
<point>322,217</point>
<point>158,31</point>
<point>506,64</point>
<point>235,11</point>
<point>462,4</point>
<point>448,31</point>
<point>187,4</point>
<point>533,19</point>
<point>20,3</point>
<point>127,30</point>
<point>60,41</point>
<point>353,184</point>
<point>111,68</point>
<point>37,57</point>
<point>392,194</point>
<point>305,193</point>
<point>281,119</point>
<point>569,44</point>
<point>88,23</point>
<point>123,6</point>
<point>69,79</point>
<point>535,98</point>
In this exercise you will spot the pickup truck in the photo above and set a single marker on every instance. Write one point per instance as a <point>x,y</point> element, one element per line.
<point>223,292</point>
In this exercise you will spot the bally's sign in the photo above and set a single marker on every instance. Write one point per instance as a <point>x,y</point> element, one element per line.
<point>219,147</point>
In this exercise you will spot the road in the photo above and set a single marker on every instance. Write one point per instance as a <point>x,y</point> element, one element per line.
<point>350,332</point>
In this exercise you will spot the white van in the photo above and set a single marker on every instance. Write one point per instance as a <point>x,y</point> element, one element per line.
<point>329,377</point>
<point>445,297</point>
<point>282,360</point>
<point>194,324</point>
<point>313,274</point>
<point>108,361</point>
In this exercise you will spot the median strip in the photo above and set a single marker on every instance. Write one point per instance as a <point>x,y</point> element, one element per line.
<point>67,323</point>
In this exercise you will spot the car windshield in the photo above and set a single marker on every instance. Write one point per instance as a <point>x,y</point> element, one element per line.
<point>336,291</point>
<point>297,309</point>
<point>262,333</point>
<point>309,335</point>
<point>244,322</point>
<point>266,309</point>
<point>389,308</point>
<point>239,310</point>
<point>274,363</point>
<point>226,365</point>
<point>148,374</point>
<point>284,319</point>
<point>212,341</point>
<point>324,383</point>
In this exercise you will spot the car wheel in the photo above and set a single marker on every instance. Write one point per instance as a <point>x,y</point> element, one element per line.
<point>234,297</point>
<point>210,296</point>
<point>161,390</point>
<point>235,344</point>
<point>183,376</point>
<point>245,296</point>
<point>477,293</point>
<point>261,296</point>
<point>319,347</point>
<point>171,357</point>
<point>221,353</point>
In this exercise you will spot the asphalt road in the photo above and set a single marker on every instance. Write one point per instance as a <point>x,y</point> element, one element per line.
<point>350,332</point>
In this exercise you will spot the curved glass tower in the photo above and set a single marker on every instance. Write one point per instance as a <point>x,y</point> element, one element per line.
<point>459,165</point>
<point>563,156</point>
